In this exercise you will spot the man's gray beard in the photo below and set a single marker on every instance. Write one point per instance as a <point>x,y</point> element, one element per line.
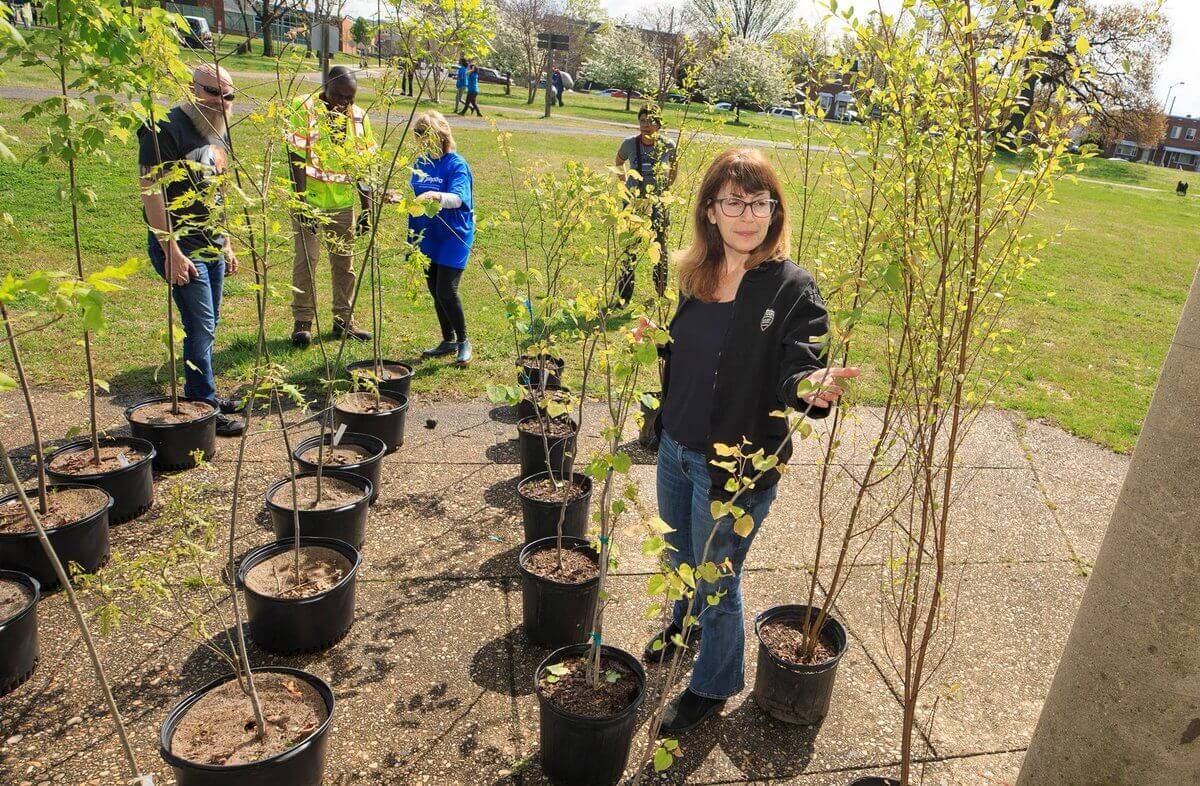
<point>209,122</point>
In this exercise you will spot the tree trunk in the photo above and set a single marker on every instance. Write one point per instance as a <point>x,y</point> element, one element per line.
<point>268,45</point>
<point>628,98</point>
<point>1124,706</point>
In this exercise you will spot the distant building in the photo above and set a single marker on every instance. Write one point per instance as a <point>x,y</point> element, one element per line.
<point>231,17</point>
<point>1179,149</point>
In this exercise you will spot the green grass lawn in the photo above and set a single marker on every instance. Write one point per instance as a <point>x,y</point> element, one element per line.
<point>1119,271</point>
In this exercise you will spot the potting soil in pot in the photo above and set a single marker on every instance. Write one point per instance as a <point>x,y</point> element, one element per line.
<point>321,569</point>
<point>573,691</point>
<point>13,598</point>
<point>785,639</point>
<point>79,462</point>
<point>334,457</point>
<point>159,413</point>
<point>219,728</point>
<point>65,507</point>
<point>387,371</point>
<point>577,567</point>
<point>554,428</point>
<point>335,493</point>
<point>366,403</point>
<point>544,490</point>
<point>536,364</point>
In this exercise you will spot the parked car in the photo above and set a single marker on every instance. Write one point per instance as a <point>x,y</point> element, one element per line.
<point>785,111</point>
<point>491,76</point>
<point>724,106</point>
<point>198,35</point>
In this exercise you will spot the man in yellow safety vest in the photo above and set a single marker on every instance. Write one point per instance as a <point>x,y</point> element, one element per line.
<point>328,138</point>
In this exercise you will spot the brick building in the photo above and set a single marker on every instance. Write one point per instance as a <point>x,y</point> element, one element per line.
<point>1179,149</point>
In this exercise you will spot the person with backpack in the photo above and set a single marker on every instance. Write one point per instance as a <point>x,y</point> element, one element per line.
<point>651,154</point>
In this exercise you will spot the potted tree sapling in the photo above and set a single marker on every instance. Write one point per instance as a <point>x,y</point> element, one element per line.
<point>589,693</point>
<point>430,31</point>
<point>953,77</point>
<point>75,515</point>
<point>88,53</point>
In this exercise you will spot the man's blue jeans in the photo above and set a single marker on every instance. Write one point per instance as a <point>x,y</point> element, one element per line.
<point>199,304</point>
<point>683,503</point>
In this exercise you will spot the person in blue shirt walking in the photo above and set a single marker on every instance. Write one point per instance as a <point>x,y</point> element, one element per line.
<point>472,101</point>
<point>442,175</point>
<point>460,82</point>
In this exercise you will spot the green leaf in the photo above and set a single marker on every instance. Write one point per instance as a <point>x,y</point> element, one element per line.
<point>744,525</point>
<point>662,759</point>
<point>622,462</point>
<point>611,676</point>
<point>558,670</point>
<point>7,383</point>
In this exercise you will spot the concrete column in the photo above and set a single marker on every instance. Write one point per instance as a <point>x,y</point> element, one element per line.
<point>1124,707</point>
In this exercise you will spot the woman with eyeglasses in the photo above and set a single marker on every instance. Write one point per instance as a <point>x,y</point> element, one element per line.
<point>746,333</point>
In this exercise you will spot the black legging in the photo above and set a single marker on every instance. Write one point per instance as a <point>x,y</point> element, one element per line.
<point>443,285</point>
<point>472,102</point>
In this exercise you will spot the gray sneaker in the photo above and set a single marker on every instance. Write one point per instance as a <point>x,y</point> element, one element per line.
<point>464,353</point>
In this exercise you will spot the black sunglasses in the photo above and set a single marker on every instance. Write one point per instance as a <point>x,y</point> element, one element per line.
<point>215,93</point>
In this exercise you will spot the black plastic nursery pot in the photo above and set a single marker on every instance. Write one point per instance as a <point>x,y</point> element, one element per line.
<point>84,541</point>
<point>550,371</point>
<point>396,385</point>
<point>791,692</point>
<point>532,451</point>
<point>174,443</point>
<point>386,426</point>
<point>346,523</point>
<point>541,518</point>
<point>556,614</point>
<point>583,751</point>
<point>19,635</point>
<point>301,765</point>
<point>874,780</point>
<point>131,487</point>
<point>287,626</point>
<point>526,408</point>
<point>368,469</point>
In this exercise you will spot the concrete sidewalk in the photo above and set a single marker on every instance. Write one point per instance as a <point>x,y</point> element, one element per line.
<point>434,682</point>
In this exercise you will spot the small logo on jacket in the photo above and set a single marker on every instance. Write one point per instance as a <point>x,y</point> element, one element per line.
<point>767,318</point>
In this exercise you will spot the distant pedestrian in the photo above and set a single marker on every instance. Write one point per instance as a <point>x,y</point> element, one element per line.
<point>460,83</point>
<point>651,155</point>
<point>557,80</point>
<point>24,13</point>
<point>472,102</point>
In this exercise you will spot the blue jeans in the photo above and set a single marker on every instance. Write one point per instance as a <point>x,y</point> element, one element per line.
<point>199,304</point>
<point>683,503</point>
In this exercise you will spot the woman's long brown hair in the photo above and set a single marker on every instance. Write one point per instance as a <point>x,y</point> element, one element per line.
<point>700,263</point>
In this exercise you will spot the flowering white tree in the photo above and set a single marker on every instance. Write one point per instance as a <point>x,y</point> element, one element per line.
<point>620,58</point>
<point>742,72</point>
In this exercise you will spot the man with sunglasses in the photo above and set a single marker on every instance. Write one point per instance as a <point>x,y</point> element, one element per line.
<point>187,159</point>
<point>329,139</point>
<point>651,155</point>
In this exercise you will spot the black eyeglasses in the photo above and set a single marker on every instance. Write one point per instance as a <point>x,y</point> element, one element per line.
<point>215,93</point>
<point>733,207</point>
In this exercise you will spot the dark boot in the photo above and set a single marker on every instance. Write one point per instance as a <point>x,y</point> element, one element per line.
<point>447,347</point>
<point>301,334</point>
<point>340,328</point>
<point>657,655</point>
<point>687,711</point>
<point>229,427</point>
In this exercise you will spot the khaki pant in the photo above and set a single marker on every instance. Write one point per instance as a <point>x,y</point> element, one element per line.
<point>339,241</point>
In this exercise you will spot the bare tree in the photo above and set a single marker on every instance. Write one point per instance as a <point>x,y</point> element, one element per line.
<point>524,19</point>
<point>269,12</point>
<point>755,20</point>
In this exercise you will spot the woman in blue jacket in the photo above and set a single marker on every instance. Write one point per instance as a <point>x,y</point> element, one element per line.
<point>442,175</point>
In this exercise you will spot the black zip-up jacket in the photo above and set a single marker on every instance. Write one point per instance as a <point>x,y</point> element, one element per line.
<point>768,349</point>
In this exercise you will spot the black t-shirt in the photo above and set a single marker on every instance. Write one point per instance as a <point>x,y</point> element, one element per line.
<point>696,339</point>
<point>201,157</point>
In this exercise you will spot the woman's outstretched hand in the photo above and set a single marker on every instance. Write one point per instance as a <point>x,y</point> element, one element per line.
<point>829,385</point>
<point>644,324</point>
